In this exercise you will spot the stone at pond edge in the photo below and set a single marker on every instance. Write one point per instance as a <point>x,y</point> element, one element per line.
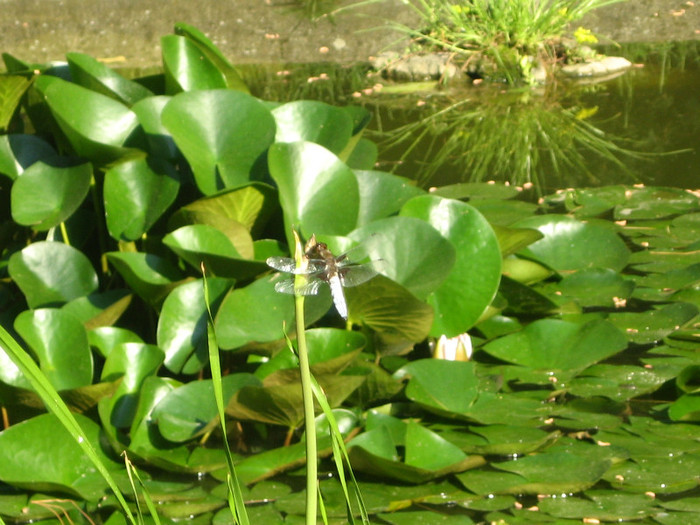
<point>597,68</point>
<point>430,66</point>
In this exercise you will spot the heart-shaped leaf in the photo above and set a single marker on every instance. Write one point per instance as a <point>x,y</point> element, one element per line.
<point>382,194</point>
<point>200,243</point>
<point>150,276</point>
<point>208,49</point>
<point>251,206</point>
<point>222,133</point>
<point>136,194</point>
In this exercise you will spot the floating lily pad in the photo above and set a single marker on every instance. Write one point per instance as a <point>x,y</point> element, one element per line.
<point>570,244</point>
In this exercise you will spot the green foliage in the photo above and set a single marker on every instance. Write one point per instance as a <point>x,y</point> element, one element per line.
<point>504,37</point>
<point>580,326</point>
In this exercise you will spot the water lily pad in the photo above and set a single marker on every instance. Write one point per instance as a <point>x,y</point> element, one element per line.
<point>200,243</point>
<point>99,128</point>
<point>653,325</point>
<point>550,344</point>
<point>313,121</point>
<point>60,342</point>
<point>151,276</point>
<point>187,411</point>
<point>594,287</point>
<point>222,133</point>
<point>545,473</point>
<point>319,194</point>
<point>669,475</point>
<point>52,273</point>
<point>652,203</point>
<point>473,280</point>
<point>44,196</point>
<point>449,386</point>
<point>29,458</point>
<point>96,76</point>
<point>136,194</point>
<point>569,244</point>
<point>182,325</point>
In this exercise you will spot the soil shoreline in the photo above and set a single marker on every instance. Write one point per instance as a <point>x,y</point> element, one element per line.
<point>127,32</point>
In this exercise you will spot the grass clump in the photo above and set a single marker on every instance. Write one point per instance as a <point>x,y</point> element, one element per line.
<point>503,39</point>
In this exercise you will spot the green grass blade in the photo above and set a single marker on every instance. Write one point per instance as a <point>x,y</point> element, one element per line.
<point>236,501</point>
<point>56,406</point>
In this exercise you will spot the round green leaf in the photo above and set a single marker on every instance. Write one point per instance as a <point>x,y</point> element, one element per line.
<point>318,193</point>
<point>182,325</point>
<point>94,75</point>
<point>52,272</point>
<point>473,280</point>
<point>98,127</point>
<point>221,133</point>
<point>45,196</point>
<point>653,325</point>
<point>136,194</point>
<point>409,251</point>
<point>313,121</point>
<point>60,343</point>
<point>106,338</point>
<point>570,244</point>
<point>30,458</point>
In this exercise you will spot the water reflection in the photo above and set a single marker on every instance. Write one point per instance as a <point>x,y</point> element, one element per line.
<point>547,138</point>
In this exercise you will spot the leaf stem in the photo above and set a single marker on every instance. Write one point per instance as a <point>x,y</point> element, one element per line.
<point>306,390</point>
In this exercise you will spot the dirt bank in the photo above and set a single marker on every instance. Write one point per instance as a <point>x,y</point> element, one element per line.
<point>128,31</point>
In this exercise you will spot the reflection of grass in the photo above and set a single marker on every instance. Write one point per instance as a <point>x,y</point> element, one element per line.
<point>515,136</point>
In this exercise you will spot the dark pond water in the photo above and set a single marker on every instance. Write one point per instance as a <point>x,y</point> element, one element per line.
<point>642,127</point>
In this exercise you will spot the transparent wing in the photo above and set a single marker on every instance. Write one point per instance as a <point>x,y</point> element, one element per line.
<point>357,274</point>
<point>289,265</point>
<point>287,286</point>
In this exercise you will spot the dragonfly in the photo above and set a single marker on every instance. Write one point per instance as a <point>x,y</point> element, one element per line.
<point>323,267</point>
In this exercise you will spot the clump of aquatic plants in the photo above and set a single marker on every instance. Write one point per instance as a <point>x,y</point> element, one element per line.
<point>581,311</point>
<point>502,39</point>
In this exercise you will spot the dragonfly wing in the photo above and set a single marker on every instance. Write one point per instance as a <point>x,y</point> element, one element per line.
<point>358,274</point>
<point>287,286</point>
<point>289,265</point>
